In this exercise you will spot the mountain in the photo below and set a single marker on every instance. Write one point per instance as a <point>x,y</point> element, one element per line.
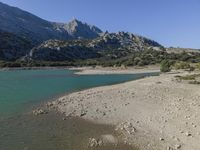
<point>123,40</point>
<point>110,45</point>
<point>28,27</point>
<point>78,30</point>
<point>27,40</point>
<point>22,23</point>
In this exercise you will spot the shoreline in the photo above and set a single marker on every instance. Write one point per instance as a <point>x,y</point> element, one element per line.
<point>98,70</point>
<point>61,131</point>
<point>149,112</point>
<point>88,70</point>
<point>33,68</point>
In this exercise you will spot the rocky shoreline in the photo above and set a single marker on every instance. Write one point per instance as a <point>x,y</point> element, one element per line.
<point>151,113</point>
<point>106,140</point>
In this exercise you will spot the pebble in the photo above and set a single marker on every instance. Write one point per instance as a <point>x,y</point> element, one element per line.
<point>49,104</point>
<point>194,126</point>
<point>126,126</point>
<point>181,131</point>
<point>158,82</point>
<point>177,146</point>
<point>161,139</point>
<point>169,148</point>
<point>83,113</point>
<point>188,134</point>
<point>39,112</point>
<point>177,139</point>
<point>95,142</point>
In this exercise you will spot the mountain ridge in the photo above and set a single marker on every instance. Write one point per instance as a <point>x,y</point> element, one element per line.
<point>78,30</point>
<point>111,45</point>
<point>23,23</point>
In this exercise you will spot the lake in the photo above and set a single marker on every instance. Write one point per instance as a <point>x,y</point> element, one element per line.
<point>22,89</point>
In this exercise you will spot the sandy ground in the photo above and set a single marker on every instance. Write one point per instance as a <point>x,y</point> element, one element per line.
<point>115,70</point>
<point>154,113</point>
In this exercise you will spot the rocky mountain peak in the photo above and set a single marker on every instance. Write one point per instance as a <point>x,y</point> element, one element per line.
<point>123,40</point>
<point>85,30</point>
<point>75,22</point>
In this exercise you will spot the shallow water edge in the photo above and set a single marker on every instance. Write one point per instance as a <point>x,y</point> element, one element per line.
<point>50,131</point>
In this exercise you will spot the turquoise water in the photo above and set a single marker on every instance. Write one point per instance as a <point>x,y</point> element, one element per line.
<point>20,88</point>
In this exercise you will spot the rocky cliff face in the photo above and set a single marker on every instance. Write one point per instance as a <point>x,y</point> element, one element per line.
<point>78,30</point>
<point>113,45</point>
<point>123,40</point>
<point>117,45</point>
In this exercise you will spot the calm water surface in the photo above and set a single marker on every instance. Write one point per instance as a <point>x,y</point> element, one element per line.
<point>21,89</point>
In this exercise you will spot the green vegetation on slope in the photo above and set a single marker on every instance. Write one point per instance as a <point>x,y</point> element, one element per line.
<point>138,58</point>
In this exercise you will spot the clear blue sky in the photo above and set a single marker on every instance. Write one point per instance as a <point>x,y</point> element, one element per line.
<point>170,22</point>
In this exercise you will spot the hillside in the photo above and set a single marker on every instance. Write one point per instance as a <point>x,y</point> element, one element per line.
<point>109,45</point>
<point>19,22</point>
<point>12,47</point>
<point>55,50</point>
<point>182,50</point>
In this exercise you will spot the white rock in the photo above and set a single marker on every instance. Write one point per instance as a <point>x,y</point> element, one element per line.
<point>161,139</point>
<point>188,134</point>
<point>95,142</point>
<point>108,138</point>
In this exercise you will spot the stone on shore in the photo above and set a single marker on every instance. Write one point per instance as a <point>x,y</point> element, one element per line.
<point>127,127</point>
<point>39,111</point>
<point>94,142</point>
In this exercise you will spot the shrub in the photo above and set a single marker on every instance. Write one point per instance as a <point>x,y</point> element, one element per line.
<point>165,66</point>
<point>191,68</point>
<point>182,65</point>
<point>198,66</point>
<point>141,63</point>
<point>137,60</point>
<point>189,77</point>
<point>194,82</point>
